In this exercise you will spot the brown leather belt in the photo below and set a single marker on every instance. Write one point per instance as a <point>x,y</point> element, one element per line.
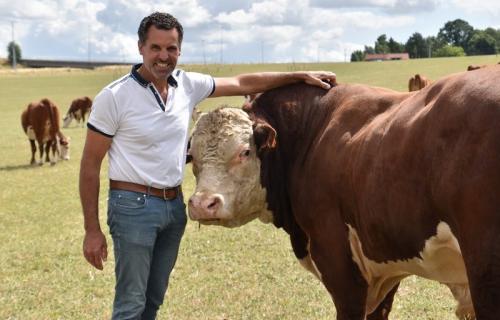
<point>166,193</point>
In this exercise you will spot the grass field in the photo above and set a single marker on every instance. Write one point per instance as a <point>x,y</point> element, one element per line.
<point>244,273</point>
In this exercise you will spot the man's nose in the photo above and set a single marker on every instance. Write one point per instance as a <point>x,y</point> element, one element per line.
<point>163,54</point>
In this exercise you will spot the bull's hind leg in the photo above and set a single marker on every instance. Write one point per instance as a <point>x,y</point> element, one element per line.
<point>384,308</point>
<point>47,151</point>
<point>40,150</point>
<point>33,151</point>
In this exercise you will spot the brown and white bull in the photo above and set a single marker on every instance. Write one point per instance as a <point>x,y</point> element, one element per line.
<point>40,122</point>
<point>78,109</point>
<point>372,185</point>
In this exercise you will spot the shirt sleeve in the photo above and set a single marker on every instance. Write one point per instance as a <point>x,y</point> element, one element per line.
<point>103,115</point>
<point>200,86</point>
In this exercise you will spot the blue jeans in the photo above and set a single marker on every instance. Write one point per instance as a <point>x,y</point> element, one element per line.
<point>146,232</point>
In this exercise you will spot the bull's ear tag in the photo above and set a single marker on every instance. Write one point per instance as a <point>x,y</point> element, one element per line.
<point>264,136</point>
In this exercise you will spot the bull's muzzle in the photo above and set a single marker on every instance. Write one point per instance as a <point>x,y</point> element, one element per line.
<point>205,206</point>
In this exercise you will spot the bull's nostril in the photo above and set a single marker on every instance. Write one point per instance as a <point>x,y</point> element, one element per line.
<point>214,204</point>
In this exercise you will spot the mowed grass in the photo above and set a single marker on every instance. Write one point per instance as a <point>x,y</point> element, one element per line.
<point>244,273</point>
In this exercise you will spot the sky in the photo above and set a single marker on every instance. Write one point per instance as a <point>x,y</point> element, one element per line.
<point>229,31</point>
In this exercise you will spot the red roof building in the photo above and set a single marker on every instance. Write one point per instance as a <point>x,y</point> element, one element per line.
<point>386,56</point>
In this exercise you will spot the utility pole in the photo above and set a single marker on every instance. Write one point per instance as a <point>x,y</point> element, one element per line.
<point>88,43</point>
<point>262,51</point>
<point>13,47</point>
<point>221,47</point>
<point>204,56</point>
<point>88,30</point>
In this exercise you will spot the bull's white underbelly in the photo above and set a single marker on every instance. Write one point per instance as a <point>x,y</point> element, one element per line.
<point>440,260</point>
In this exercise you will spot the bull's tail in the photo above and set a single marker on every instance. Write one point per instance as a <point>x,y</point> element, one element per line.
<point>54,117</point>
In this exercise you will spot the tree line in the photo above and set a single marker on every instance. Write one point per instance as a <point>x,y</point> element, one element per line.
<point>455,38</point>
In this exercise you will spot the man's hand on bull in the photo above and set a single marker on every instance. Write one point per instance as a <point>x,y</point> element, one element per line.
<point>323,79</point>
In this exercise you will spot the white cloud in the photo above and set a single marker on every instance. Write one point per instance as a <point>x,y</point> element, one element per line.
<point>490,7</point>
<point>237,17</point>
<point>240,31</point>
<point>401,6</point>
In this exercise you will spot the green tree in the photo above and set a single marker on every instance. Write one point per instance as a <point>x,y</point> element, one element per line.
<point>394,46</point>
<point>481,43</point>
<point>456,33</point>
<point>381,45</point>
<point>357,55</point>
<point>433,44</point>
<point>416,46</point>
<point>13,47</point>
<point>450,51</point>
<point>369,50</point>
<point>495,33</point>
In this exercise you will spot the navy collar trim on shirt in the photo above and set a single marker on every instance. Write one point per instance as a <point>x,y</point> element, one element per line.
<point>143,82</point>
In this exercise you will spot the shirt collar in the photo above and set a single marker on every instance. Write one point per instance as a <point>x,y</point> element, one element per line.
<point>143,82</point>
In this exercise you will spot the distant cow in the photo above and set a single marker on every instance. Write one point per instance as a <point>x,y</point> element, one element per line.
<point>371,185</point>
<point>40,122</point>
<point>418,82</point>
<point>78,109</point>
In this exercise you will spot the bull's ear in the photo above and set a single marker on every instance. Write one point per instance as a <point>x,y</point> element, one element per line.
<point>264,136</point>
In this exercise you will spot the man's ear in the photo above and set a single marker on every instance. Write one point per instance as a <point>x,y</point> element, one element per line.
<point>264,136</point>
<point>139,46</point>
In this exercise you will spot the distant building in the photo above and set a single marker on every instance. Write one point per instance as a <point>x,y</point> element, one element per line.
<point>386,56</point>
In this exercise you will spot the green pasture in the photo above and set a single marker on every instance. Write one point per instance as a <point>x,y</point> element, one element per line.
<point>244,273</point>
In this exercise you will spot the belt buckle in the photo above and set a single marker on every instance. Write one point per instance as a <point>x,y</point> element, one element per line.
<point>165,193</point>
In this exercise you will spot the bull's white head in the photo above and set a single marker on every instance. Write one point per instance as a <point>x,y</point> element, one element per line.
<point>63,147</point>
<point>227,170</point>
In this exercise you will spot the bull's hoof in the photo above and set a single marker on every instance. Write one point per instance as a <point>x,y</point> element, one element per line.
<point>52,163</point>
<point>40,163</point>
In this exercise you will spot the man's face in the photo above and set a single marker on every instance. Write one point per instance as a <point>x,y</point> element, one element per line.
<point>159,53</point>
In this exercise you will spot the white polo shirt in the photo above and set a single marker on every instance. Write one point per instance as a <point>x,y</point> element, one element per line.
<point>149,136</point>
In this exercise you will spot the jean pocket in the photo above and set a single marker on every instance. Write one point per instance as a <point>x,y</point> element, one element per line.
<point>128,200</point>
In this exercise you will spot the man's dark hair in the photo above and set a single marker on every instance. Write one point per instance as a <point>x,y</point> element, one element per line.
<point>160,20</point>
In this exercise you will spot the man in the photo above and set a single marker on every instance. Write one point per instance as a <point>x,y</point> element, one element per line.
<point>141,121</point>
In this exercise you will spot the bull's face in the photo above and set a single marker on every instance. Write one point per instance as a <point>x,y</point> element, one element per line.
<point>64,148</point>
<point>227,170</point>
<point>67,120</point>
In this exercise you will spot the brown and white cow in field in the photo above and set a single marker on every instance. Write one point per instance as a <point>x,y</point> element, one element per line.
<point>372,185</point>
<point>40,122</point>
<point>418,82</point>
<point>78,109</point>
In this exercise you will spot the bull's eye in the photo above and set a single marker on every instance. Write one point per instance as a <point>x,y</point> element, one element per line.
<point>245,153</point>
